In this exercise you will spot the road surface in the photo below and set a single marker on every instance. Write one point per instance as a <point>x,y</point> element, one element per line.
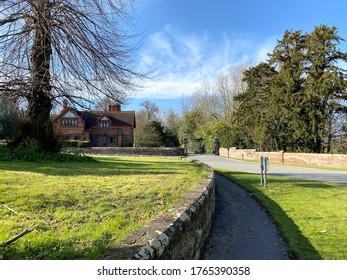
<point>315,174</point>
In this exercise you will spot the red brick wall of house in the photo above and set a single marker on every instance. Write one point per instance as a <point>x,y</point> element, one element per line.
<point>102,135</point>
<point>71,131</point>
<point>119,133</point>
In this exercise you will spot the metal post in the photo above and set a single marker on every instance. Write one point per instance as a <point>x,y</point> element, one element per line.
<point>261,170</point>
<point>264,167</point>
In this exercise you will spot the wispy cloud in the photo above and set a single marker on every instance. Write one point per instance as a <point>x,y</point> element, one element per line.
<point>183,60</point>
<point>264,49</point>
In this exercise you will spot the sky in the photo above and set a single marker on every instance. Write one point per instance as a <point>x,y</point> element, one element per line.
<point>185,42</point>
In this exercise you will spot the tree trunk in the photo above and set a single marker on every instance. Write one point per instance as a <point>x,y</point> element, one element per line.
<point>39,99</point>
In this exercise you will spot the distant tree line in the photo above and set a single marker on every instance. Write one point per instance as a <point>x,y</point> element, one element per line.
<point>151,131</point>
<point>295,101</point>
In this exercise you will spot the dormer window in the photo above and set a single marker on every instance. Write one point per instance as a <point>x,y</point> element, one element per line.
<point>69,119</point>
<point>103,124</point>
<point>69,122</point>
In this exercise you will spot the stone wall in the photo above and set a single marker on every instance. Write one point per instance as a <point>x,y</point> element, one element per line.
<point>328,160</point>
<point>179,234</point>
<point>132,151</point>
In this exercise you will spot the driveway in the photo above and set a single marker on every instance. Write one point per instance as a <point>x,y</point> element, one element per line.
<point>323,175</point>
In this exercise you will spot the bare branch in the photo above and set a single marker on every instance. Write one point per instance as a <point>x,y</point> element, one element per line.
<point>10,209</point>
<point>91,53</point>
<point>13,239</point>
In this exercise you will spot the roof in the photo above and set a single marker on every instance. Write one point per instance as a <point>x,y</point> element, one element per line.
<point>119,118</point>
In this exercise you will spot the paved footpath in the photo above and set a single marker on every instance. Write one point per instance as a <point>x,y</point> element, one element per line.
<point>241,229</point>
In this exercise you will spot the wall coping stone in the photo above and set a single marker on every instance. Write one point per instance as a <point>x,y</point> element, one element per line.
<point>129,151</point>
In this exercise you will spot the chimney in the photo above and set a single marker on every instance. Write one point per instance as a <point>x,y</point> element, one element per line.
<point>64,105</point>
<point>115,107</point>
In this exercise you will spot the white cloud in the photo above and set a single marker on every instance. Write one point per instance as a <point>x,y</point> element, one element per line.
<point>183,61</point>
<point>170,88</point>
<point>265,48</point>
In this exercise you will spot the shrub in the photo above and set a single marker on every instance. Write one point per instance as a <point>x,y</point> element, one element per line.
<point>75,143</point>
<point>30,150</point>
<point>6,154</point>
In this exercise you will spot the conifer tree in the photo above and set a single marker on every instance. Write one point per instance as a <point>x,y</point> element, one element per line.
<point>326,84</point>
<point>292,105</point>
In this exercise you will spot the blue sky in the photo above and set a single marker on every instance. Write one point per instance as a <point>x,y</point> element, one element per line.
<point>188,41</point>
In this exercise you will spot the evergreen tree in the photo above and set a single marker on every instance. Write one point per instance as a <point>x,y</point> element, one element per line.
<point>249,129</point>
<point>285,104</point>
<point>325,83</point>
<point>291,101</point>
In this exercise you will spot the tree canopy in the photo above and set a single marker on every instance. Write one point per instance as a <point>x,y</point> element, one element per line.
<point>292,98</point>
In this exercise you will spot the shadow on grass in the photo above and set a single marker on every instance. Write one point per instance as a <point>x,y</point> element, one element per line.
<point>102,167</point>
<point>49,250</point>
<point>298,244</point>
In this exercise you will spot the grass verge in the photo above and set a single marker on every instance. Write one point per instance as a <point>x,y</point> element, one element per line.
<point>311,216</point>
<point>80,209</point>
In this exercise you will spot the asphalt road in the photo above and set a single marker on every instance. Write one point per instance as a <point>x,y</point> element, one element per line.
<point>315,174</point>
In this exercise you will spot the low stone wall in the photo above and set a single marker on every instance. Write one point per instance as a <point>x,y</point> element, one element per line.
<point>179,234</point>
<point>329,160</point>
<point>131,151</point>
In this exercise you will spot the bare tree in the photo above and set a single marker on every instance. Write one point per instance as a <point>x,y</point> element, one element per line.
<point>57,49</point>
<point>216,98</point>
<point>151,110</point>
<point>145,134</point>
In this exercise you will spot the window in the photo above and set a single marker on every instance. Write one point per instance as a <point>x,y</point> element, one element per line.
<point>104,124</point>
<point>69,122</point>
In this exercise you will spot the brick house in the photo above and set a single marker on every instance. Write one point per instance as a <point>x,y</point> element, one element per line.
<point>111,128</point>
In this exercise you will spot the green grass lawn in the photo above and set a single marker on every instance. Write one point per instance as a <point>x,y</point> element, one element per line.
<point>80,209</point>
<point>311,216</point>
